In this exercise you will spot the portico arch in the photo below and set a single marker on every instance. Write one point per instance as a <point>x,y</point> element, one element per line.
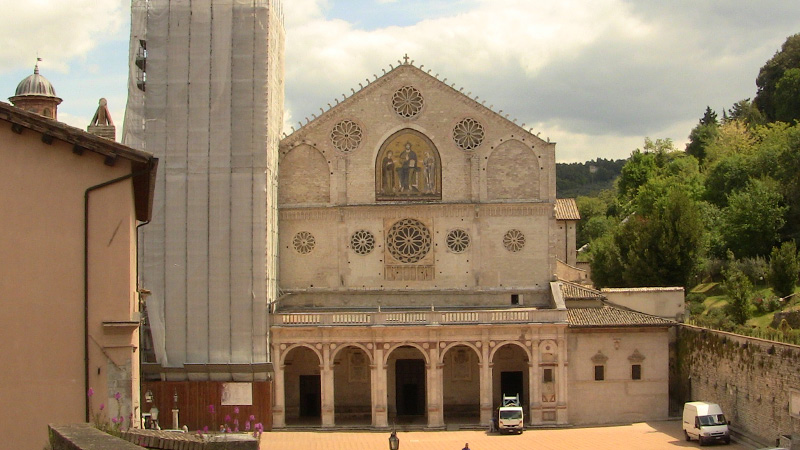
<point>303,392</point>
<point>461,383</point>
<point>352,385</point>
<point>407,369</point>
<point>510,371</point>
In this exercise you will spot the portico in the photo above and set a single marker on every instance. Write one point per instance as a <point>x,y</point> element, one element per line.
<point>428,367</point>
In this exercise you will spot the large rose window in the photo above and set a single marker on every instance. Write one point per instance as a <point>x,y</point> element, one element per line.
<point>408,240</point>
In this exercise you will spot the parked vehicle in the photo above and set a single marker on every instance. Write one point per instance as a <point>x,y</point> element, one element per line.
<point>510,418</point>
<point>705,422</point>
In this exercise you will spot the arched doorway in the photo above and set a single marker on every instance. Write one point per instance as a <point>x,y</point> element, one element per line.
<point>461,385</point>
<point>302,389</point>
<point>406,367</point>
<point>510,374</point>
<point>352,387</point>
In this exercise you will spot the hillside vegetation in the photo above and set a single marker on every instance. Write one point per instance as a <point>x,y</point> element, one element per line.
<point>725,211</point>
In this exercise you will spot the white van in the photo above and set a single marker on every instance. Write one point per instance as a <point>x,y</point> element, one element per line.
<point>705,422</point>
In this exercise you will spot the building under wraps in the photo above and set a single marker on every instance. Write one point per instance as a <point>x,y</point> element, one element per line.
<point>206,96</point>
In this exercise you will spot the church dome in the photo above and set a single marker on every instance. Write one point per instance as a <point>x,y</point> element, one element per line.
<point>35,85</point>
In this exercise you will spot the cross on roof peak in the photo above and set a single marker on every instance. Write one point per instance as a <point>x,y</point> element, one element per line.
<point>405,58</point>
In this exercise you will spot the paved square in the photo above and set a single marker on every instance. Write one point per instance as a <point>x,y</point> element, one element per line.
<point>646,436</point>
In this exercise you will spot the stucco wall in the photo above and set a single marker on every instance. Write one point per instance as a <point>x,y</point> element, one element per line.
<point>41,332</point>
<point>618,398</point>
<point>666,302</point>
<point>753,380</point>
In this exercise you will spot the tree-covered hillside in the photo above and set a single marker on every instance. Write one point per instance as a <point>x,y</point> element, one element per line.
<point>726,210</point>
<point>588,178</point>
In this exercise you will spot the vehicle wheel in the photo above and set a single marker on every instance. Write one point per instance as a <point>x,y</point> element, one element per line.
<point>701,440</point>
<point>687,436</point>
<point>728,441</point>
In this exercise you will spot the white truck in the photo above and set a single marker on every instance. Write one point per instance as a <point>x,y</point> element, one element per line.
<point>705,422</point>
<point>510,418</point>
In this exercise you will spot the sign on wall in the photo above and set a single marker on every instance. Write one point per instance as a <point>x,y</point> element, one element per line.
<point>239,394</point>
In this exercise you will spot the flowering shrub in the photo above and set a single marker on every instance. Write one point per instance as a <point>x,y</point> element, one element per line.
<point>100,419</point>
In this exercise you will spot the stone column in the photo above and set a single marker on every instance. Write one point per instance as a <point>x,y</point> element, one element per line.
<point>380,403</point>
<point>561,401</point>
<point>486,385</point>
<point>326,380</point>
<point>534,396</point>
<point>278,396</point>
<point>434,390</point>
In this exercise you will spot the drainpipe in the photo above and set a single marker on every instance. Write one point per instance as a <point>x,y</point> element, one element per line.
<point>86,274</point>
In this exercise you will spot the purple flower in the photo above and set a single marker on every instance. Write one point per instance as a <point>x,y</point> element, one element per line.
<point>227,418</point>
<point>252,418</point>
<point>247,426</point>
<point>114,420</point>
<point>205,429</point>
<point>117,396</point>
<point>102,406</point>
<point>211,409</point>
<point>236,410</point>
<point>90,392</point>
<point>259,427</point>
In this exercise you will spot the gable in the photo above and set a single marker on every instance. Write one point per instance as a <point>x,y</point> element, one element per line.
<point>467,143</point>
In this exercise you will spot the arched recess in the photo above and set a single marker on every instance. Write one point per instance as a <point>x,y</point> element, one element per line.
<point>352,385</point>
<point>304,177</point>
<point>461,384</point>
<point>408,167</point>
<point>510,372</point>
<point>302,385</point>
<point>406,370</point>
<point>513,172</point>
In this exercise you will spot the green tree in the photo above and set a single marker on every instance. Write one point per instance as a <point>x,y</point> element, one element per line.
<point>772,71</point>
<point>751,221</point>
<point>605,262</point>
<point>784,266</point>
<point>726,176</point>
<point>739,290</point>
<point>787,96</point>
<point>746,112</point>
<point>703,134</point>
<point>661,249</point>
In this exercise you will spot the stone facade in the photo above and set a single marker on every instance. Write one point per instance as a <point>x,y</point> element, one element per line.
<point>417,252</point>
<point>756,382</point>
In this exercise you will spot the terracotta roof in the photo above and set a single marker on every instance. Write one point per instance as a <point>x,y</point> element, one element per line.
<point>610,316</point>
<point>575,291</point>
<point>143,163</point>
<point>567,209</point>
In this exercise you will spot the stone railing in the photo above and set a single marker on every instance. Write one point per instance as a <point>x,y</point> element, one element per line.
<point>449,317</point>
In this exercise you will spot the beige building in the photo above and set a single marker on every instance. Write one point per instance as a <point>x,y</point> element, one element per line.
<point>71,204</point>
<point>418,238</point>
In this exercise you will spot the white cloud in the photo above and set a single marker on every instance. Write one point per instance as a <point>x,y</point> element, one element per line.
<point>57,30</point>
<point>599,75</point>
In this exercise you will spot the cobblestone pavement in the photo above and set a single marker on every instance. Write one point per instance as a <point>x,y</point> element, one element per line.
<point>646,436</point>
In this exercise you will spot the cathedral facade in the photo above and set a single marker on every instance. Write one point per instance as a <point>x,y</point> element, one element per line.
<point>418,237</point>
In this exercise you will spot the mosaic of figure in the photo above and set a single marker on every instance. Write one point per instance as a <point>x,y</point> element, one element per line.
<point>408,168</point>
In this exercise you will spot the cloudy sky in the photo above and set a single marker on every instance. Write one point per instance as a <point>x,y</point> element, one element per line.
<point>596,76</point>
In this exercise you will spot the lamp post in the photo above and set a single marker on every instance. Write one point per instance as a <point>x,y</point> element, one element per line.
<point>394,441</point>
<point>175,425</point>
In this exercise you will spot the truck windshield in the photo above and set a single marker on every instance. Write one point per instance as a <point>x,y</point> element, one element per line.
<point>511,414</point>
<point>716,419</point>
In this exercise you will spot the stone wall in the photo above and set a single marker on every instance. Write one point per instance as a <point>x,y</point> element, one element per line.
<point>753,380</point>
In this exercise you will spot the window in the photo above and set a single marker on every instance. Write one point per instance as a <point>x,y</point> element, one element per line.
<point>515,299</point>
<point>547,376</point>
<point>636,372</point>
<point>599,373</point>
